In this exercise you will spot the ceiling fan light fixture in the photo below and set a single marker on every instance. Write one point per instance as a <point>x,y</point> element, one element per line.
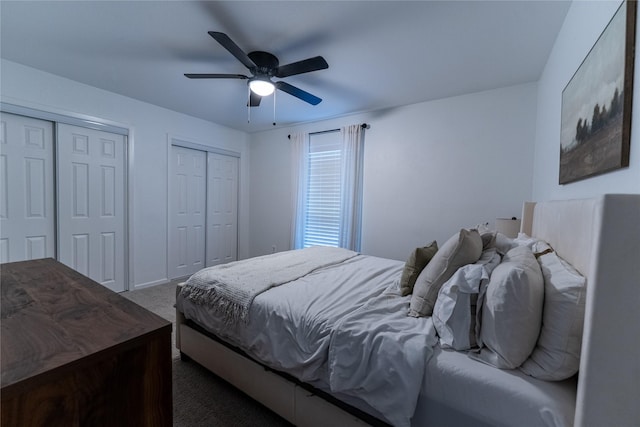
<point>261,86</point>
<point>263,66</point>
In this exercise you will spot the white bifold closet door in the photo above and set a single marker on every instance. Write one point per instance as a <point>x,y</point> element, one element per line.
<point>91,170</point>
<point>222,209</point>
<point>27,220</point>
<point>187,211</point>
<point>203,210</point>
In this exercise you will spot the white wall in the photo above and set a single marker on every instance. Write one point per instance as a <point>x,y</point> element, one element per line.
<point>583,24</point>
<point>430,168</point>
<point>149,126</point>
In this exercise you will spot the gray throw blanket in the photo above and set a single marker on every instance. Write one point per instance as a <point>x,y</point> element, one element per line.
<point>229,289</point>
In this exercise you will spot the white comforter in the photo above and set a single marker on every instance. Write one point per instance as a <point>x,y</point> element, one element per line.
<point>378,354</point>
<point>344,326</point>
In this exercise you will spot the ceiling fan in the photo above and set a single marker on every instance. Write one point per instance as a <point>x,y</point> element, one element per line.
<point>263,66</point>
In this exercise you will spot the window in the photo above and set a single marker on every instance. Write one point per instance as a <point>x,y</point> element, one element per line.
<point>327,186</point>
<point>322,213</point>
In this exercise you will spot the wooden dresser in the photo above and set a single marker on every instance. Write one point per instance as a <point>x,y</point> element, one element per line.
<point>77,354</point>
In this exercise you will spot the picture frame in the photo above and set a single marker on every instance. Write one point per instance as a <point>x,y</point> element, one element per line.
<point>596,103</point>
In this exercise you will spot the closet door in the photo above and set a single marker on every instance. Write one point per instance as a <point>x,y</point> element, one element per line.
<point>91,204</point>
<point>222,209</point>
<point>187,207</point>
<point>27,227</point>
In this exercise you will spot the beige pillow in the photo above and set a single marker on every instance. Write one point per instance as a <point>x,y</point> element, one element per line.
<point>464,247</point>
<point>511,310</point>
<point>417,261</point>
<point>557,352</point>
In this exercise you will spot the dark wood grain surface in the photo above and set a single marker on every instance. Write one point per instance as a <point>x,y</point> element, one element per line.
<point>75,353</point>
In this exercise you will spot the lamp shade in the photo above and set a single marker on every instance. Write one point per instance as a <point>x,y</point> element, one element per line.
<point>262,87</point>
<point>508,226</point>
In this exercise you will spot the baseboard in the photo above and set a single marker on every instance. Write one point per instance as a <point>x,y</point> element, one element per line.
<point>149,284</point>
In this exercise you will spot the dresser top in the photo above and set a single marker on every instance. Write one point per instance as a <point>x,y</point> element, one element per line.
<point>52,317</point>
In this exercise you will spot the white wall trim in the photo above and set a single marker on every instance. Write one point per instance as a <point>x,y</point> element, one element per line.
<point>130,208</point>
<point>201,147</point>
<point>66,118</point>
<point>168,208</point>
<point>150,284</point>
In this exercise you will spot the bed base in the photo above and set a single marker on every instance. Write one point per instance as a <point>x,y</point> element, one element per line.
<point>296,402</point>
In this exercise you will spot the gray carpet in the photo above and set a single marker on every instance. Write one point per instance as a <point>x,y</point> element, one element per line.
<point>201,399</point>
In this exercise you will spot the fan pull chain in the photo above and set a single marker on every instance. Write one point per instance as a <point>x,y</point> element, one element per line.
<point>274,107</point>
<point>248,104</point>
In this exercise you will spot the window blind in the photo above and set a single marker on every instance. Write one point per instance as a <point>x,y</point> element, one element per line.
<point>323,209</point>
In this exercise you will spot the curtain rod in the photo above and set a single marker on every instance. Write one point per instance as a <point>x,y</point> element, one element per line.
<point>363,126</point>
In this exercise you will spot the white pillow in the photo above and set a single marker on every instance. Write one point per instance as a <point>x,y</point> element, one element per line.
<point>454,314</point>
<point>464,247</point>
<point>537,246</point>
<point>511,307</point>
<point>504,244</point>
<point>557,352</point>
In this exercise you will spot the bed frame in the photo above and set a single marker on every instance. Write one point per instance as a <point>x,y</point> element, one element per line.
<point>298,403</point>
<point>600,237</point>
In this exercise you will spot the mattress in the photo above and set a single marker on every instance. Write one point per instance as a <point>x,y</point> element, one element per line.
<point>458,390</point>
<point>292,329</point>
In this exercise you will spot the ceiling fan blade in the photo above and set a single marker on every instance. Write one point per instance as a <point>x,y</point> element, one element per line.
<point>305,66</point>
<point>298,93</point>
<point>254,100</point>
<point>215,76</point>
<point>233,48</point>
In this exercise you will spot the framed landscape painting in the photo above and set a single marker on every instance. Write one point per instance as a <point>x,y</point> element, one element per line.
<point>596,103</point>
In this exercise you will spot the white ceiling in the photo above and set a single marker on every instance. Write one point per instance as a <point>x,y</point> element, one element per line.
<point>381,53</point>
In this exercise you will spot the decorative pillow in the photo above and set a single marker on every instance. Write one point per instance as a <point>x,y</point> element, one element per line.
<point>464,247</point>
<point>418,259</point>
<point>454,314</point>
<point>557,353</point>
<point>511,308</point>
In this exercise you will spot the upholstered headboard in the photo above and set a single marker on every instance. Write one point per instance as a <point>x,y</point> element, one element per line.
<point>600,237</point>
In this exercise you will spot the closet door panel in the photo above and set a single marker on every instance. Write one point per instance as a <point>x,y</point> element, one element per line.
<point>222,209</point>
<point>187,211</point>
<point>27,227</point>
<point>91,204</point>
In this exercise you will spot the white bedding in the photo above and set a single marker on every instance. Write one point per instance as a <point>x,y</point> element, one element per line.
<point>313,328</point>
<point>485,396</point>
<point>229,289</point>
<point>378,354</point>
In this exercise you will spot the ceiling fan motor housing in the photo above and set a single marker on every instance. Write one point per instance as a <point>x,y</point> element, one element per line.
<point>266,63</point>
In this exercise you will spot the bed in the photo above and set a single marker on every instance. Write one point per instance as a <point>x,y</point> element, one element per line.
<point>299,369</point>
